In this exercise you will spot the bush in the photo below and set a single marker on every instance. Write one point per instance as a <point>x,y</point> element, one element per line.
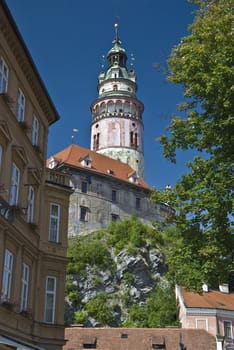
<point>80,317</point>
<point>100,309</point>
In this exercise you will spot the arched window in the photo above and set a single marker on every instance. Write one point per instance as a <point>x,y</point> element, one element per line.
<point>118,106</point>
<point>110,107</point>
<point>127,107</point>
<point>103,108</point>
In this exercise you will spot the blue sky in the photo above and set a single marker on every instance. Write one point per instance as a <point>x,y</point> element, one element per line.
<point>67,39</point>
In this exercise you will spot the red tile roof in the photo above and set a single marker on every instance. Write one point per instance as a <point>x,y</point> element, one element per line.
<point>73,155</point>
<point>138,338</point>
<point>212,299</point>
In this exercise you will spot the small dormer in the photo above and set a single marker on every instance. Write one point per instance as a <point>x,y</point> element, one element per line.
<point>133,177</point>
<point>86,161</point>
<point>158,342</point>
<point>52,163</point>
<point>110,171</point>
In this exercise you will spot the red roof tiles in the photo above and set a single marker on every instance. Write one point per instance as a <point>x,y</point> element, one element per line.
<point>211,299</point>
<point>138,338</point>
<point>73,155</point>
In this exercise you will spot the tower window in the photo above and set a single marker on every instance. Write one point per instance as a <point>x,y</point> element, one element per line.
<point>131,138</point>
<point>135,141</point>
<point>115,87</point>
<point>94,142</point>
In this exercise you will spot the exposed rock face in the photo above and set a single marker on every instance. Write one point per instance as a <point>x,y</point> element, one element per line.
<point>130,280</point>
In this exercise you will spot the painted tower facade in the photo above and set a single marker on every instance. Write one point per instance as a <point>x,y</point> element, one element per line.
<point>117,127</point>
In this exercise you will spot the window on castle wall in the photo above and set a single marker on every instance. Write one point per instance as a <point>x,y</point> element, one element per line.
<point>99,188</point>
<point>114,217</point>
<point>138,202</point>
<point>114,196</point>
<point>83,214</point>
<point>84,187</point>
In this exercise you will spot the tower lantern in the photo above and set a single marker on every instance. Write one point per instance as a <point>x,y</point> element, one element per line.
<point>117,127</point>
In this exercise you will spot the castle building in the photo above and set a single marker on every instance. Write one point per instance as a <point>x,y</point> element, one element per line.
<point>33,204</point>
<point>108,178</point>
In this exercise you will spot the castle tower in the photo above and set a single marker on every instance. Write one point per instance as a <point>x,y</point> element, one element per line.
<point>117,127</point>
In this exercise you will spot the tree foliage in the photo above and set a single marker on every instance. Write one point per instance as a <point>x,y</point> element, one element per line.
<point>159,311</point>
<point>203,63</point>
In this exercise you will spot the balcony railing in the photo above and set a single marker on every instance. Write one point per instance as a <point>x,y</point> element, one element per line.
<point>58,178</point>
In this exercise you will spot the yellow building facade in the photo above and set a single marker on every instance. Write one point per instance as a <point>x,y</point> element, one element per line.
<point>33,204</point>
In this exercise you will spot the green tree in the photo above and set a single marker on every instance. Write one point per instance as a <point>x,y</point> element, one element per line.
<point>160,309</point>
<point>203,63</point>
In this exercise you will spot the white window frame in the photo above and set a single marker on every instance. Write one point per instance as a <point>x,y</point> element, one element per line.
<point>21,101</point>
<point>7,275</point>
<point>15,183</point>
<point>24,287</point>
<point>30,204</point>
<point>54,223</point>
<point>50,300</point>
<point>35,131</point>
<point>4,74</point>
<point>230,324</point>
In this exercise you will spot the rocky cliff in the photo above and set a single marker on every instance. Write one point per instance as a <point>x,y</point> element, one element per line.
<point>108,276</point>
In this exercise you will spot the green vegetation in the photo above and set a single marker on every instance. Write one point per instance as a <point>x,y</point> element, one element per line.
<point>132,234</point>
<point>90,251</point>
<point>80,317</point>
<point>204,64</point>
<point>159,311</point>
<point>101,309</point>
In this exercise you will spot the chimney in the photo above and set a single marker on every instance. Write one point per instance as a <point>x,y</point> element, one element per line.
<point>224,288</point>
